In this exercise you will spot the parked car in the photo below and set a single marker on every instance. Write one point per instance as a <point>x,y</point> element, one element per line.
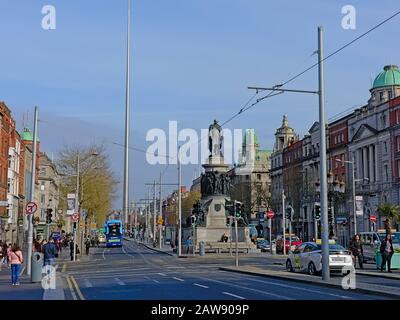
<point>371,242</point>
<point>263,245</point>
<point>308,258</point>
<point>295,242</point>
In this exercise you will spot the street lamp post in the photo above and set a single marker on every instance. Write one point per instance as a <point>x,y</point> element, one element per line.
<point>322,147</point>
<point>31,195</point>
<point>179,203</point>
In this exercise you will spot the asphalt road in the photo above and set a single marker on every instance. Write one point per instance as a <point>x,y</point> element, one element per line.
<point>135,272</point>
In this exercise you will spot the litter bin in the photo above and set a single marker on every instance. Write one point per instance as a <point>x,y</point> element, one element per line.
<point>37,265</point>
<point>202,248</point>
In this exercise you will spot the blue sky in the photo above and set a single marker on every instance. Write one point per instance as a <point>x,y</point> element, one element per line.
<point>192,62</point>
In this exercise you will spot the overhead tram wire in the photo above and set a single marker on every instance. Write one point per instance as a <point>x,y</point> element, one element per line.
<point>316,64</point>
<point>247,107</point>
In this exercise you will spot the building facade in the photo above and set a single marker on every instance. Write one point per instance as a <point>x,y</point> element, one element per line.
<point>366,141</point>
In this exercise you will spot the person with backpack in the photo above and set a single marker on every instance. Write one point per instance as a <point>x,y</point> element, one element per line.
<point>16,259</point>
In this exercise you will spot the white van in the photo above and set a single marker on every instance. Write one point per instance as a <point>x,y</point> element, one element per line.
<point>371,242</point>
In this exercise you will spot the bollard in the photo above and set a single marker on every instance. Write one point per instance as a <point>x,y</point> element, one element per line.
<point>37,265</point>
<point>202,248</point>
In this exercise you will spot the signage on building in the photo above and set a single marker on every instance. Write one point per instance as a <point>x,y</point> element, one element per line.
<point>4,203</point>
<point>359,206</point>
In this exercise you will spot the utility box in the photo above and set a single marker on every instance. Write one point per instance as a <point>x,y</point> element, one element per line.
<point>202,248</point>
<point>37,265</point>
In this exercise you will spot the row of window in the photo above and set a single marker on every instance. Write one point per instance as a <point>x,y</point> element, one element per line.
<point>339,138</point>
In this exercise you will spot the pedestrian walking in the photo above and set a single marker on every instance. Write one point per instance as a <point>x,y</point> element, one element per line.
<point>49,252</point>
<point>357,250</point>
<point>9,248</point>
<point>71,248</point>
<point>189,243</point>
<point>4,253</point>
<point>387,251</point>
<point>1,255</point>
<point>87,246</point>
<point>16,259</point>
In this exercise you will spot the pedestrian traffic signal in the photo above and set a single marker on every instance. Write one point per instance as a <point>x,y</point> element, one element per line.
<point>317,211</point>
<point>49,216</point>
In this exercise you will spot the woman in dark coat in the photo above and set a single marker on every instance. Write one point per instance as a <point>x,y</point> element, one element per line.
<point>387,251</point>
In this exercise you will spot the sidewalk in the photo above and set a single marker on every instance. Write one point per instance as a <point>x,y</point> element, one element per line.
<point>337,282</point>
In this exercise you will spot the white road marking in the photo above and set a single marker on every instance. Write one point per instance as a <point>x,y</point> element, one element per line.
<point>156,281</point>
<point>120,282</point>
<point>104,258</point>
<point>179,279</point>
<point>300,288</point>
<point>22,271</point>
<point>128,254</point>
<point>277,296</point>
<point>233,295</point>
<point>174,267</point>
<point>162,274</point>
<point>200,285</point>
<point>87,283</point>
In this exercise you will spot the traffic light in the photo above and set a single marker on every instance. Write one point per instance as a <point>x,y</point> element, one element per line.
<point>230,207</point>
<point>317,211</point>
<point>49,216</point>
<point>289,212</point>
<point>238,209</point>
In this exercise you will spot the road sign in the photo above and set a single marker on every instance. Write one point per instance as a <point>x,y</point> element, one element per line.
<point>83,214</point>
<point>81,224</point>
<point>372,218</point>
<point>93,225</point>
<point>31,208</point>
<point>341,220</point>
<point>75,217</point>
<point>4,203</point>
<point>270,214</point>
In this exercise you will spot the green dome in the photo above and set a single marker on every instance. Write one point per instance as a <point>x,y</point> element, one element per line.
<point>26,135</point>
<point>389,77</point>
